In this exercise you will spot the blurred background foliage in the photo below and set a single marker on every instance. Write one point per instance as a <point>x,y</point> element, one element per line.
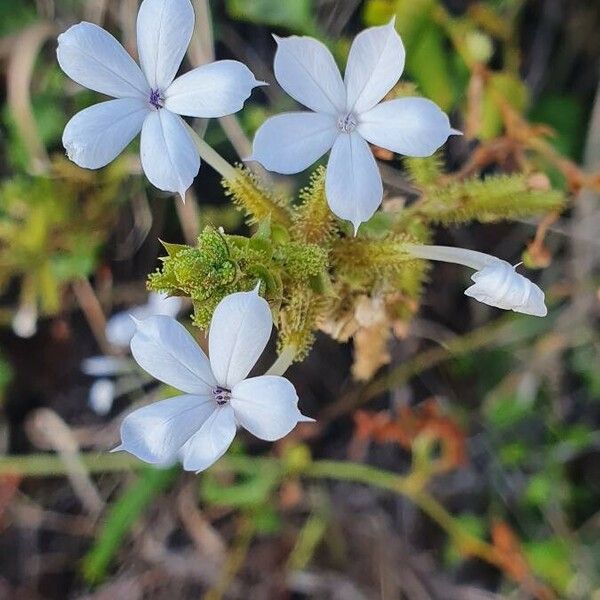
<point>477,434</point>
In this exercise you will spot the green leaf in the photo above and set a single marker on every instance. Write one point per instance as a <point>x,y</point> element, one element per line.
<point>507,411</point>
<point>427,62</point>
<point>250,491</point>
<point>120,519</point>
<point>540,489</point>
<point>501,87</point>
<point>550,559</point>
<point>566,115</point>
<point>297,15</point>
<point>513,455</point>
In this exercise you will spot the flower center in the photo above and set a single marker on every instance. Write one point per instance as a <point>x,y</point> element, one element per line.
<point>347,123</point>
<point>156,99</point>
<point>221,395</point>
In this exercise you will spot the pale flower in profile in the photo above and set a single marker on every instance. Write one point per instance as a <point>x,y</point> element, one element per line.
<point>198,427</point>
<point>347,115</point>
<point>149,99</point>
<point>496,282</point>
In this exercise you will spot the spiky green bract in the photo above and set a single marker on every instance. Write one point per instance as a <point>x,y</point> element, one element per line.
<point>494,198</point>
<point>222,264</point>
<point>313,221</point>
<point>257,203</point>
<point>383,265</point>
<point>424,171</point>
<point>312,273</point>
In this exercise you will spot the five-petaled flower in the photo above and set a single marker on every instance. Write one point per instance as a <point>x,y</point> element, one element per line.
<point>197,428</point>
<point>347,114</point>
<point>496,281</point>
<point>147,99</point>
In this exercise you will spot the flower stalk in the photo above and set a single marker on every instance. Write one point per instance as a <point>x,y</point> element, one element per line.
<point>212,157</point>
<point>284,361</point>
<point>460,256</point>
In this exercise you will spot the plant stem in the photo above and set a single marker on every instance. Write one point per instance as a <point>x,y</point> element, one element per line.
<point>212,157</point>
<point>411,486</point>
<point>51,465</point>
<point>284,361</point>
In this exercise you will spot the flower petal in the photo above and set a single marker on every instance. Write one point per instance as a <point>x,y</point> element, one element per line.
<point>157,432</point>
<point>375,64</point>
<point>169,156</point>
<point>266,406</point>
<point>239,331</point>
<point>499,285</point>
<point>166,350</point>
<point>97,135</point>
<point>410,126</point>
<point>291,142</point>
<point>211,442</point>
<point>213,90</point>
<point>164,31</point>
<point>306,70</point>
<point>93,58</point>
<point>353,183</point>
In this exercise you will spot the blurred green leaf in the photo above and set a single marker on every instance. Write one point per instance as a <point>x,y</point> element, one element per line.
<point>506,411</point>
<point>501,87</point>
<point>248,491</point>
<point>15,16</point>
<point>584,361</point>
<point>121,516</point>
<point>266,520</point>
<point>539,489</point>
<point>296,15</point>
<point>513,454</point>
<point>550,559</point>
<point>566,115</point>
<point>429,65</point>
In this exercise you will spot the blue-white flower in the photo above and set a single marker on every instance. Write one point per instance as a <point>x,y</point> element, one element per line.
<point>198,427</point>
<point>149,99</point>
<point>496,281</point>
<point>346,115</point>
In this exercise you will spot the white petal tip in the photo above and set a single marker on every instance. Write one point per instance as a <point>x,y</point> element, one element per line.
<point>136,321</point>
<point>259,83</point>
<point>119,448</point>
<point>249,159</point>
<point>256,289</point>
<point>393,21</point>
<point>456,132</point>
<point>277,38</point>
<point>356,225</point>
<point>305,419</point>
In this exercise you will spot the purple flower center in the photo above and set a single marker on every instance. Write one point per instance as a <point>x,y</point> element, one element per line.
<point>221,395</point>
<point>347,123</point>
<point>156,99</point>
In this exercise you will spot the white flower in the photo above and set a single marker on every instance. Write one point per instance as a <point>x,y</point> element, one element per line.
<point>497,282</point>
<point>347,114</point>
<point>148,99</point>
<point>24,323</point>
<point>120,328</point>
<point>197,428</point>
<point>101,396</point>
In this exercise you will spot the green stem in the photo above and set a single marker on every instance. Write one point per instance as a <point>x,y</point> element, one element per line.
<point>284,361</point>
<point>49,465</point>
<point>411,486</point>
<point>212,157</point>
